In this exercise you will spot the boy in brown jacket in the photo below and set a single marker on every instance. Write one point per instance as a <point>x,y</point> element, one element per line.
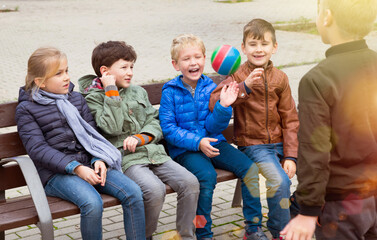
<point>337,158</point>
<point>265,122</point>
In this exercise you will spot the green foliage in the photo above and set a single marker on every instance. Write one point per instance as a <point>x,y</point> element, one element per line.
<point>232,1</point>
<point>5,9</point>
<point>301,24</point>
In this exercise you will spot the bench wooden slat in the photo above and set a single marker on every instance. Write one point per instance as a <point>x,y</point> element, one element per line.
<point>11,177</point>
<point>7,114</point>
<point>11,145</point>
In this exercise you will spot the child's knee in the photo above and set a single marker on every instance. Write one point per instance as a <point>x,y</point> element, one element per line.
<point>92,207</point>
<point>154,192</point>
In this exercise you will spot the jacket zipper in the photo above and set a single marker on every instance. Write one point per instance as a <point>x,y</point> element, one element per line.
<point>266,98</point>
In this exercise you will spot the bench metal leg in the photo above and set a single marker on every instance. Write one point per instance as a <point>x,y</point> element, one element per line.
<point>237,197</point>
<point>38,195</point>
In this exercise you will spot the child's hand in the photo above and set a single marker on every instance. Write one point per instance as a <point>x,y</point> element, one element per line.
<point>289,167</point>
<point>130,144</point>
<point>101,170</point>
<point>255,75</point>
<point>300,227</point>
<point>207,149</point>
<point>88,175</point>
<point>107,79</point>
<point>229,94</point>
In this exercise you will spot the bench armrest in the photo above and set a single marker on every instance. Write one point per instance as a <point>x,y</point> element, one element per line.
<point>37,193</point>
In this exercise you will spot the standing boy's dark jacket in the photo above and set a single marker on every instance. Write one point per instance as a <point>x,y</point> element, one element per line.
<point>338,128</point>
<point>46,135</point>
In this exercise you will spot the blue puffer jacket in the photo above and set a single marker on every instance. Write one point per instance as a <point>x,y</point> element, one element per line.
<point>185,120</point>
<point>47,138</point>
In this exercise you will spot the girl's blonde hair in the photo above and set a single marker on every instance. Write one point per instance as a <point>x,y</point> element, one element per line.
<point>183,41</point>
<point>42,64</point>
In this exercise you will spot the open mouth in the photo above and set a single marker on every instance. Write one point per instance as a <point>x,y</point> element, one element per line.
<point>194,70</point>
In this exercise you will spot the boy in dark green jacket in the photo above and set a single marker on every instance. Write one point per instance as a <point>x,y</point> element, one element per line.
<point>127,119</point>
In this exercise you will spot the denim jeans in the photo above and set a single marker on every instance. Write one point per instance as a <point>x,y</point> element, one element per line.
<point>76,190</point>
<point>203,168</point>
<point>267,157</point>
<point>152,179</point>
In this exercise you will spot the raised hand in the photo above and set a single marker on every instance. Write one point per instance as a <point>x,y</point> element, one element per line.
<point>255,75</point>
<point>107,79</point>
<point>229,94</point>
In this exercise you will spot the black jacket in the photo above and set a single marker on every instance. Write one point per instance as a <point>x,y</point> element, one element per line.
<point>337,158</point>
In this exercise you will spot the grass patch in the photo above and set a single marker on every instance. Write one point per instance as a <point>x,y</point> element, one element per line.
<point>302,24</point>
<point>5,9</point>
<point>232,1</point>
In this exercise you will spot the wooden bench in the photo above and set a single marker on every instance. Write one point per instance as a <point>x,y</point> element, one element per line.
<point>18,170</point>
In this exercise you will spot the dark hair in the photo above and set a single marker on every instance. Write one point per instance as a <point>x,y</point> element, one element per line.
<point>256,28</point>
<point>107,53</point>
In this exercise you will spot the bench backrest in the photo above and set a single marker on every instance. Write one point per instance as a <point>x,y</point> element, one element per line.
<point>11,145</point>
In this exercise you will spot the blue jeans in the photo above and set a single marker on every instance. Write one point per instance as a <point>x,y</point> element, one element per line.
<point>267,157</point>
<point>203,168</point>
<point>76,190</point>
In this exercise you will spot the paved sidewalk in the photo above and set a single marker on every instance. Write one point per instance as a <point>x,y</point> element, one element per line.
<point>227,221</point>
<point>76,26</point>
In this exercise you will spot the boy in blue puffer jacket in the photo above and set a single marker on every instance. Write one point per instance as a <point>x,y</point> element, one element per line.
<point>194,134</point>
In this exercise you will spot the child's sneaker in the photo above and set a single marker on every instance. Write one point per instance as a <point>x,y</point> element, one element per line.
<point>259,235</point>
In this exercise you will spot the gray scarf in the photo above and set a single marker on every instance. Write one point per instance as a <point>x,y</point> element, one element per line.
<point>92,141</point>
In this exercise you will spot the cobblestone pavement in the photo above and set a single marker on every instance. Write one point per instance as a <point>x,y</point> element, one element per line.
<point>76,26</point>
<point>227,221</point>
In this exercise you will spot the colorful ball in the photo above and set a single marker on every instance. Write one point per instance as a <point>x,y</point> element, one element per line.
<point>225,60</point>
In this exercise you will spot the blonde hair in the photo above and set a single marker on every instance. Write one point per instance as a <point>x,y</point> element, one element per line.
<point>354,17</point>
<point>183,41</point>
<point>43,64</point>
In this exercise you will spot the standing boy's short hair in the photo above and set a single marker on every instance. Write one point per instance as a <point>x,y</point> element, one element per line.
<point>183,41</point>
<point>354,17</point>
<point>107,53</point>
<point>256,28</point>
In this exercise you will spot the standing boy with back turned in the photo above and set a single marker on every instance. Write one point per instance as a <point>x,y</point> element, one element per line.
<point>337,160</point>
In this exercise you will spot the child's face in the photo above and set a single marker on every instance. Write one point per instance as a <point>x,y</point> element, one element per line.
<point>259,51</point>
<point>190,62</point>
<point>123,72</point>
<point>59,83</point>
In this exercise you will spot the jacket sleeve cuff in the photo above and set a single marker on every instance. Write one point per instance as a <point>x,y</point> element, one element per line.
<point>248,90</point>
<point>112,92</point>
<point>291,158</point>
<point>70,168</point>
<point>310,210</point>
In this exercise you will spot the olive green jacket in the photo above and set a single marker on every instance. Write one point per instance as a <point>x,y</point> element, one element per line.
<point>117,120</point>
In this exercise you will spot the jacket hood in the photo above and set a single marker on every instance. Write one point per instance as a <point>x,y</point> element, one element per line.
<point>177,82</point>
<point>24,95</point>
<point>85,82</point>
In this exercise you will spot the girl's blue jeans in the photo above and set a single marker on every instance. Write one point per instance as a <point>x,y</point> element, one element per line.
<point>76,190</point>
<point>267,157</point>
<point>203,168</point>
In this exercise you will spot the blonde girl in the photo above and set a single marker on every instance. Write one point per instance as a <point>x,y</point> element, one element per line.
<point>73,160</point>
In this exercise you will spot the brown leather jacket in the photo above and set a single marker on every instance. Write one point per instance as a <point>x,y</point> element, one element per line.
<point>268,114</point>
